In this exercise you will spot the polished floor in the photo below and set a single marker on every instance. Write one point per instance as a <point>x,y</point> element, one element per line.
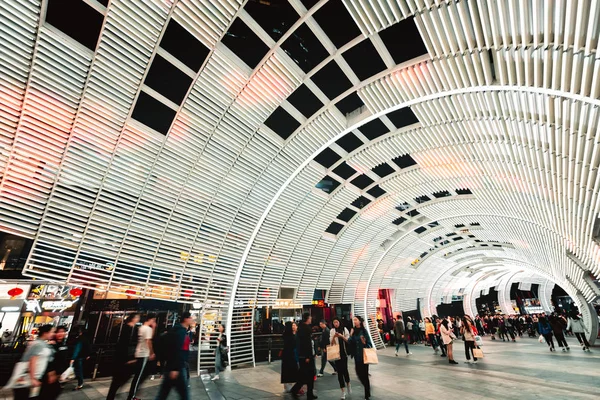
<point>522,370</point>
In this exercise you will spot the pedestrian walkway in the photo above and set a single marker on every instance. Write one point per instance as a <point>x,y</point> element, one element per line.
<point>525,369</point>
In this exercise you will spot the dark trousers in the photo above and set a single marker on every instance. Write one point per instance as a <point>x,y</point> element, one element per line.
<point>78,367</point>
<point>399,342</point>
<point>469,346</point>
<point>560,339</point>
<point>121,374</point>
<point>50,391</point>
<point>138,376</point>
<point>180,384</point>
<point>324,362</point>
<point>548,337</point>
<point>341,366</point>
<point>582,339</point>
<point>306,376</point>
<point>21,394</point>
<point>362,371</point>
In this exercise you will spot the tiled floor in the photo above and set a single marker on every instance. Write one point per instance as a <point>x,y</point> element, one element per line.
<point>522,370</point>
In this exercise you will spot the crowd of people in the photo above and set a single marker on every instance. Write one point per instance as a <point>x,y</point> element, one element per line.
<point>49,362</point>
<point>298,357</point>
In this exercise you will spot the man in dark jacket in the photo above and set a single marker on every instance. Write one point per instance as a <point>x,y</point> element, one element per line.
<point>123,358</point>
<point>323,342</point>
<point>306,373</point>
<point>177,354</point>
<point>400,333</point>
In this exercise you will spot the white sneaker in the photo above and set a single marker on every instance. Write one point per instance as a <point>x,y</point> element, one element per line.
<point>408,354</point>
<point>215,378</point>
<point>475,362</point>
<point>334,373</point>
<point>348,388</point>
<point>396,353</point>
<point>343,396</point>
<point>319,375</point>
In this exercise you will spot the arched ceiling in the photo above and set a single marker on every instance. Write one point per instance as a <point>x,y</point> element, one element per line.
<point>209,151</point>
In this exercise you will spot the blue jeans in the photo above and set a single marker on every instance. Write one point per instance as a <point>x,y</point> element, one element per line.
<point>78,367</point>
<point>180,383</point>
<point>399,342</point>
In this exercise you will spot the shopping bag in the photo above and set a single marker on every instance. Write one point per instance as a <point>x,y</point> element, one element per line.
<point>67,375</point>
<point>333,352</point>
<point>370,356</point>
<point>20,376</point>
<point>541,339</point>
<point>477,353</point>
<point>479,341</point>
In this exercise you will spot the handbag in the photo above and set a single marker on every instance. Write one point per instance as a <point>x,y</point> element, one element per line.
<point>67,375</point>
<point>478,341</point>
<point>333,352</point>
<point>370,356</point>
<point>541,339</point>
<point>477,352</point>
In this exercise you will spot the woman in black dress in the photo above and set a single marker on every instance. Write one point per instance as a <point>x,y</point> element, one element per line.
<point>289,358</point>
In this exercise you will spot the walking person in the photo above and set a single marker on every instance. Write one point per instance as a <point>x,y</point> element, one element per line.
<point>306,371</point>
<point>339,335</point>
<point>51,386</point>
<point>177,355</point>
<point>448,336</point>
<point>575,324</point>
<point>360,340</point>
<point>81,353</point>
<point>430,334</point>
<point>220,352</point>
<point>466,330</point>
<point>29,373</point>
<point>401,334</point>
<point>545,330</point>
<point>123,360</point>
<point>144,352</point>
<point>558,325</point>
<point>323,342</point>
<point>289,358</point>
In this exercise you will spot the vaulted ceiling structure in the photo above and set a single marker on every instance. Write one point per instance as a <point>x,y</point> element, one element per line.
<point>215,151</point>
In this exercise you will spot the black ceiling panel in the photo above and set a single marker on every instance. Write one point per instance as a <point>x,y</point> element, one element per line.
<point>275,16</point>
<point>422,199</point>
<point>184,46</point>
<point>349,142</point>
<point>334,228</point>
<point>337,23</point>
<point>349,103</point>
<point>103,2</point>
<point>346,214</point>
<point>364,60</point>
<point>282,123</point>
<point>442,193</point>
<point>344,170</point>
<point>463,191</point>
<point>76,19</point>
<point>398,221</point>
<point>361,202</point>
<point>153,113</point>
<point>244,43</point>
<point>309,3</point>
<point>413,213</point>
<point>327,157</point>
<point>403,41</point>
<point>327,184</point>
<point>304,48</point>
<point>374,129</point>
<point>420,230</point>
<point>404,161</point>
<point>376,191</point>
<point>383,170</point>
<point>403,117</point>
<point>168,80</point>
<point>362,181</point>
<point>331,80</point>
<point>305,101</point>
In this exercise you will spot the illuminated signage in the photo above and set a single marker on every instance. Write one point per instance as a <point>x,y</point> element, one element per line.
<point>318,303</point>
<point>286,304</point>
<point>32,306</point>
<point>10,309</point>
<point>59,305</point>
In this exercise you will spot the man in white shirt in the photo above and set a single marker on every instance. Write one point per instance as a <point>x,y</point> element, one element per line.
<point>144,352</point>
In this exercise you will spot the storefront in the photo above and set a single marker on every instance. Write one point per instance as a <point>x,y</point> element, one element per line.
<point>10,308</point>
<point>50,304</point>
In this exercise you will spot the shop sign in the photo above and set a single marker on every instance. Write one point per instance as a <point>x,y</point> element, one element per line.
<point>32,306</point>
<point>56,305</point>
<point>318,303</point>
<point>286,304</point>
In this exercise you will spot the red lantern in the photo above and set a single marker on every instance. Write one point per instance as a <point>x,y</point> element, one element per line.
<point>188,293</point>
<point>75,292</point>
<point>14,292</point>
<point>130,292</point>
